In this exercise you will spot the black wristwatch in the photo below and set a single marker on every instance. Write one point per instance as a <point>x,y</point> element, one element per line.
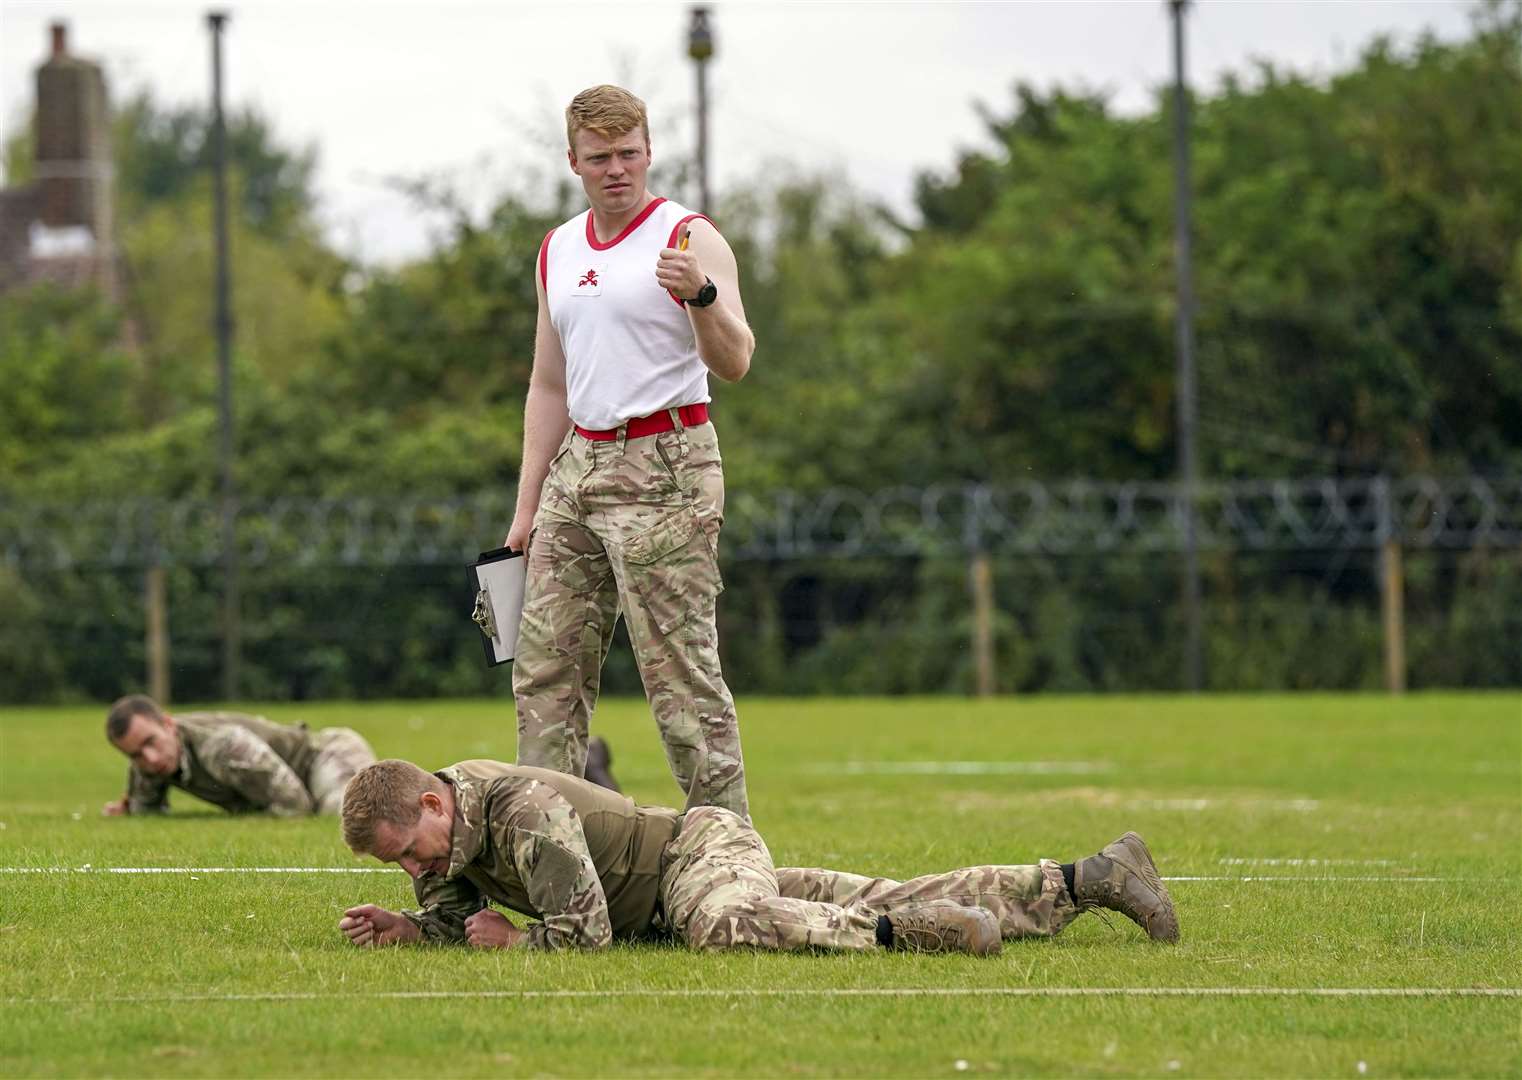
<point>706,295</point>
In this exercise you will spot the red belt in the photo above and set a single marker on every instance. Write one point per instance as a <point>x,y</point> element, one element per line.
<point>654,424</point>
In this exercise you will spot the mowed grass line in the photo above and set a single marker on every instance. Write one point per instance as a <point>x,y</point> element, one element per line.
<point>1424,786</point>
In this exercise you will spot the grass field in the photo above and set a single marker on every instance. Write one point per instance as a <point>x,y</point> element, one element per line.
<point>1314,843</point>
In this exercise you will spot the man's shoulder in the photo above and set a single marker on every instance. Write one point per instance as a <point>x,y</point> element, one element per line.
<point>221,739</point>
<point>571,225</point>
<point>476,769</point>
<point>495,775</point>
<point>503,784</point>
<point>219,718</point>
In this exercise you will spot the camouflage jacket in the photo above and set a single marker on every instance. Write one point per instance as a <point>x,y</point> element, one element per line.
<point>583,859</point>
<point>241,763</point>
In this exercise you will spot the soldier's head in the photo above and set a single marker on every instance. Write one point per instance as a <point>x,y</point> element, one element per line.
<point>400,814</point>
<point>145,733</point>
<point>608,145</point>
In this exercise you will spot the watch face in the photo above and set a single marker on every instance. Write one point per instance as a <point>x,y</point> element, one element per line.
<point>707,294</point>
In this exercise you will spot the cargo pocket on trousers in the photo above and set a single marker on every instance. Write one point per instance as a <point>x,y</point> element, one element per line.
<point>673,568</point>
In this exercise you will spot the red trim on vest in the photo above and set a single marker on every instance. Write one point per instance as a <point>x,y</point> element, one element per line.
<point>629,228</point>
<point>544,255</point>
<point>671,243</point>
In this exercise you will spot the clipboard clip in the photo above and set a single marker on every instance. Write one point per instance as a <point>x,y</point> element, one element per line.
<point>482,615</point>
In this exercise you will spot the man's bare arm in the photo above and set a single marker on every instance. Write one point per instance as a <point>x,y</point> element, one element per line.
<point>545,421</point>
<point>724,339</point>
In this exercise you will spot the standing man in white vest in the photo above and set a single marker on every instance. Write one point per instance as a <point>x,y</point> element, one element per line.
<point>621,493</point>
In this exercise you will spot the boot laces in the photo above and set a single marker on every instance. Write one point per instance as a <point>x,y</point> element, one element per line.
<point>924,932</point>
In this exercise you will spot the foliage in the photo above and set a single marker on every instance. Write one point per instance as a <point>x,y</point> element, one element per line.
<point>61,369</point>
<point>1358,260</point>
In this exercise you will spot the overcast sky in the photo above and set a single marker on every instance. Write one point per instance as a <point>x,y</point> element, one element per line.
<point>471,89</point>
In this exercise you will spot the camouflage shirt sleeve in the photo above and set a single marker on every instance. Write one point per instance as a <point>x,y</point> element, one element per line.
<point>146,794</point>
<point>542,834</point>
<point>445,905</point>
<point>246,763</point>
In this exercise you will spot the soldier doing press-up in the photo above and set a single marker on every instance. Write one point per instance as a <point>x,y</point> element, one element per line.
<point>593,867</point>
<point>244,764</point>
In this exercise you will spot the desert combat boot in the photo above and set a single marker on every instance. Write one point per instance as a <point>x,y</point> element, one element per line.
<point>599,768</point>
<point>1124,878</point>
<point>945,926</point>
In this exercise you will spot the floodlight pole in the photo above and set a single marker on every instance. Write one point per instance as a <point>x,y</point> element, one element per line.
<point>231,624</point>
<point>700,48</point>
<point>1187,405</point>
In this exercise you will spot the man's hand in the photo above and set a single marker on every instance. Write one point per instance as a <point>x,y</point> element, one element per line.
<point>517,532</point>
<point>488,929</point>
<point>115,809</point>
<point>677,269</point>
<point>368,926</point>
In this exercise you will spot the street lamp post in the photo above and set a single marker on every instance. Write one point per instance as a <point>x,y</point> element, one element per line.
<point>1184,332</point>
<point>231,625</point>
<point>700,48</point>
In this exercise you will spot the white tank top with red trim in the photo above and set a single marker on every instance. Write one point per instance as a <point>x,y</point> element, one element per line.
<point>629,348</point>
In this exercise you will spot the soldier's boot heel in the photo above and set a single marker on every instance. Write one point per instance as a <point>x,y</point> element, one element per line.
<point>945,926</point>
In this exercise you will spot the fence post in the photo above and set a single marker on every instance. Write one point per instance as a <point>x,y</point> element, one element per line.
<point>1392,591</point>
<point>981,580</point>
<point>157,602</point>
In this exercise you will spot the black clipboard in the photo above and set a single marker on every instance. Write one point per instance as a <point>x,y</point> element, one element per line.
<point>497,580</point>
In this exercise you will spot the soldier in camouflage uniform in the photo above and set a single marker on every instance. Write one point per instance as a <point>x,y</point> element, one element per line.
<point>621,491</point>
<point>593,868</point>
<point>244,764</point>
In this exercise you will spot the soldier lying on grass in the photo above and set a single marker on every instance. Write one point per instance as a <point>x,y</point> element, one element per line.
<point>594,868</point>
<point>244,764</point>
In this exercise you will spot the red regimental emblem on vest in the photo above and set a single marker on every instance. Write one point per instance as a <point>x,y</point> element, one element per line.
<point>589,283</point>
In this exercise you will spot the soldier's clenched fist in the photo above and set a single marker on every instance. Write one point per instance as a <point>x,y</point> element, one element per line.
<point>488,929</point>
<point>678,270</point>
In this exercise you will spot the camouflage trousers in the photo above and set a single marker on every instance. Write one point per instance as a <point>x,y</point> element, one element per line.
<point>720,890</point>
<point>341,752</point>
<point>630,526</point>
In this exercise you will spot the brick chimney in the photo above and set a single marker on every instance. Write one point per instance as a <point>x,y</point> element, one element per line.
<point>73,155</point>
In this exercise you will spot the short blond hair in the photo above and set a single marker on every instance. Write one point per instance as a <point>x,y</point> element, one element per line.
<point>610,111</point>
<point>386,791</point>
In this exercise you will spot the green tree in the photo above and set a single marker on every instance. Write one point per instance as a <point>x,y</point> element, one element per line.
<point>61,369</point>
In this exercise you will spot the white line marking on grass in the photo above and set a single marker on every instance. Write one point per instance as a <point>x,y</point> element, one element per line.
<point>1303,806</point>
<point>87,869</point>
<point>1312,877</point>
<point>1309,862</point>
<point>966,768</point>
<point>867,992</point>
<point>193,870</point>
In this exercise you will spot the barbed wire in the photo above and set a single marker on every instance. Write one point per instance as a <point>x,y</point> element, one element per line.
<point>1027,518</point>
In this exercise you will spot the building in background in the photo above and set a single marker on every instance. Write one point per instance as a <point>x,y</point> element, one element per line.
<point>60,227</point>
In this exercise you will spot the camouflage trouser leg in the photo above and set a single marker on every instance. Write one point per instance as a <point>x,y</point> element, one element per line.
<point>719,891</point>
<point>646,513</point>
<point>570,608</point>
<point>1029,901</point>
<point>341,753</point>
